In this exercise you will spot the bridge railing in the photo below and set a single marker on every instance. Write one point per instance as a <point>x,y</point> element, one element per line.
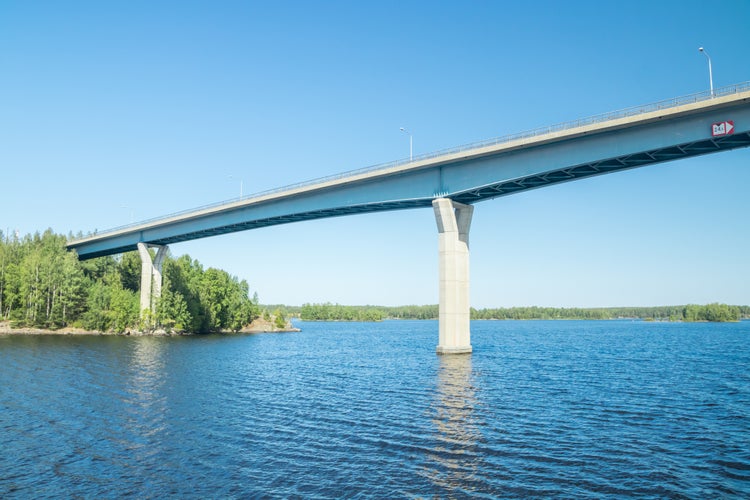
<point>582,122</point>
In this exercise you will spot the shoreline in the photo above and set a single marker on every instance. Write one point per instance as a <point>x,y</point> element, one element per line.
<point>6,329</point>
<point>255,327</point>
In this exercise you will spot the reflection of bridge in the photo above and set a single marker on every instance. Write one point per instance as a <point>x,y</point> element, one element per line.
<point>452,180</point>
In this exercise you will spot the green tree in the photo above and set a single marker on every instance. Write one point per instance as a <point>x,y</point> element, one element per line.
<point>129,267</point>
<point>279,319</point>
<point>172,311</point>
<point>42,284</point>
<point>123,309</point>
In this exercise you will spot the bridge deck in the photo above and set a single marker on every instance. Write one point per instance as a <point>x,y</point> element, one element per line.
<point>669,130</point>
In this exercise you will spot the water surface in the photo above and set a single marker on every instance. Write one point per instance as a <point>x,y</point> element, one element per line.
<point>540,409</point>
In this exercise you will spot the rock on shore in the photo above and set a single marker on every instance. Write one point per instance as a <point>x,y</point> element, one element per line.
<point>6,329</point>
<point>260,325</point>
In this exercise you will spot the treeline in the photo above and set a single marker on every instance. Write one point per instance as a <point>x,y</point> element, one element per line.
<point>337,312</point>
<point>709,312</point>
<point>541,313</point>
<point>43,285</point>
<point>712,312</point>
<point>412,312</point>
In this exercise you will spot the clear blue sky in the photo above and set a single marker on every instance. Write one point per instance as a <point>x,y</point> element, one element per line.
<point>116,109</point>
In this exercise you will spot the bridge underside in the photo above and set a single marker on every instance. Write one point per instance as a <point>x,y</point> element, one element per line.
<point>606,166</point>
<point>489,191</point>
<point>298,217</point>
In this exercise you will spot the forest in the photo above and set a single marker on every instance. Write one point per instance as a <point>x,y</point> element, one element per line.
<point>42,285</point>
<point>336,312</point>
<point>690,313</point>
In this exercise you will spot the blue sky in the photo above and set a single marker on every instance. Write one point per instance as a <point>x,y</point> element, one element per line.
<point>118,110</point>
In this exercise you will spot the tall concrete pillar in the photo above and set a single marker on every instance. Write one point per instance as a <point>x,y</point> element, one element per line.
<point>453,222</point>
<point>158,263</point>
<point>150,274</point>
<point>147,271</point>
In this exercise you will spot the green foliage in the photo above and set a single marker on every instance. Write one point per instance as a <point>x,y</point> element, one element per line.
<point>710,312</point>
<point>129,267</point>
<point>279,319</point>
<point>109,306</point>
<point>337,312</point>
<point>541,313</point>
<point>124,308</point>
<point>173,311</point>
<point>43,285</point>
<point>412,312</point>
<point>203,301</point>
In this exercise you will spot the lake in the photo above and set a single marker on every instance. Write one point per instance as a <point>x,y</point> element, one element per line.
<point>584,409</point>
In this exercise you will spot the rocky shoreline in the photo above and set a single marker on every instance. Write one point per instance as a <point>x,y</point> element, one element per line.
<point>6,329</point>
<point>258,326</point>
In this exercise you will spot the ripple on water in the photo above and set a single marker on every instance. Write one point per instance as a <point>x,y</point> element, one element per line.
<point>560,409</point>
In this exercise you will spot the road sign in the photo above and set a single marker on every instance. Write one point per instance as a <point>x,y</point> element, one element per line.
<point>722,128</point>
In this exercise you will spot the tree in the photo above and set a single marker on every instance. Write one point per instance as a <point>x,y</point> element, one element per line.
<point>279,319</point>
<point>172,311</point>
<point>43,284</point>
<point>129,267</point>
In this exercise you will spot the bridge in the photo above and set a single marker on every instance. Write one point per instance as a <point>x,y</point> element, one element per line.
<point>451,182</point>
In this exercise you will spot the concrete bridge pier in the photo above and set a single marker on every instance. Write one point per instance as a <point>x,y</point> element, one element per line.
<point>453,222</point>
<point>150,274</point>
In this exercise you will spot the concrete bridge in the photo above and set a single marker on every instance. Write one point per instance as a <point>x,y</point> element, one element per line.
<point>451,181</point>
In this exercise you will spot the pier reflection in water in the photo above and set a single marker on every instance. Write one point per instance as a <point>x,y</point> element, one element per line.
<point>453,463</point>
<point>147,372</point>
<point>145,399</point>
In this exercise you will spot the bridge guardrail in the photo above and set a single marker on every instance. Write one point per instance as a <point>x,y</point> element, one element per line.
<point>600,118</point>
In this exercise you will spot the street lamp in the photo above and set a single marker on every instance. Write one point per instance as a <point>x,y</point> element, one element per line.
<point>131,212</point>
<point>232,177</point>
<point>410,143</point>
<point>710,71</point>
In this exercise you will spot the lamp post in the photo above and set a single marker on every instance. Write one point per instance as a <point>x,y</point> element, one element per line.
<point>710,71</point>
<point>232,177</point>
<point>131,212</point>
<point>410,143</point>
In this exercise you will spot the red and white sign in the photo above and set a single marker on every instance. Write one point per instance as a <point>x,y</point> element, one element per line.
<point>722,128</point>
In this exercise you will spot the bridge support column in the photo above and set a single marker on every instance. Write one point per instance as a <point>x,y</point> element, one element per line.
<point>453,222</point>
<point>150,274</point>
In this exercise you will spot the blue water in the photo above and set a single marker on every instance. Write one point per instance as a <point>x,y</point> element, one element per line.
<point>540,409</point>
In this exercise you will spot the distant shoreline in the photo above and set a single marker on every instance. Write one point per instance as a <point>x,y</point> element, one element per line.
<point>714,312</point>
